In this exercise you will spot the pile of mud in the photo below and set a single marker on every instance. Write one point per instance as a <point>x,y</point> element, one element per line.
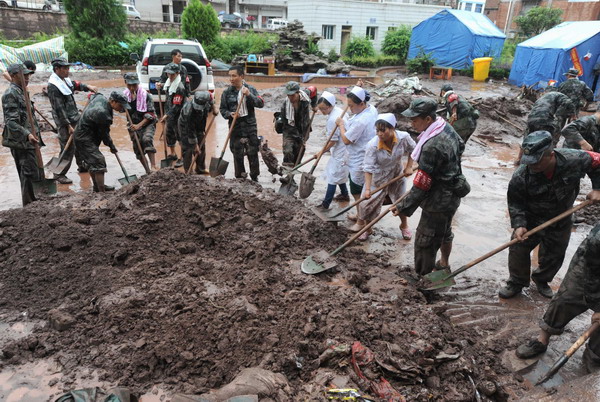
<point>589,215</point>
<point>186,281</point>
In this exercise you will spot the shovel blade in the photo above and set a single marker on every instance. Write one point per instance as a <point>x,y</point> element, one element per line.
<point>126,180</point>
<point>217,167</point>
<point>57,166</point>
<point>166,163</point>
<point>288,186</point>
<point>44,186</point>
<point>312,267</point>
<point>438,280</point>
<point>324,216</point>
<point>307,184</point>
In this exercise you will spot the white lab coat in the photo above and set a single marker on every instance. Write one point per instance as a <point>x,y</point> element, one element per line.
<point>336,171</point>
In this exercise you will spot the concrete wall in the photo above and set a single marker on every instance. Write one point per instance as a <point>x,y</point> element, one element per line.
<point>358,15</point>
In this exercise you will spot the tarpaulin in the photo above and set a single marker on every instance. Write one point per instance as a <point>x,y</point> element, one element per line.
<point>456,37</point>
<point>42,52</point>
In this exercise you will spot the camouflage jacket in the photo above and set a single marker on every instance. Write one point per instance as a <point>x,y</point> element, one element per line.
<point>150,113</point>
<point>16,122</point>
<point>534,198</point>
<point>185,78</point>
<point>64,108</point>
<point>551,107</point>
<point>585,128</point>
<point>463,107</point>
<point>244,126</point>
<point>174,103</point>
<point>192,122</point>
<point>577,91</point>
<point>301,120</point>
<point>95,122</point>
<point>590,259</point>
<point>435,180</point>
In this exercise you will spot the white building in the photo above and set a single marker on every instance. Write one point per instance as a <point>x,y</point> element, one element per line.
<point>336,21</point>
<point>262,10</point>
<point>476,6</point>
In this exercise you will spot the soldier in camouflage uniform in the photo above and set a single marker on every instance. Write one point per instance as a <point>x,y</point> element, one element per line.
<point>18,135</point>
<point>94,128</point>
<point>143,117</point>
<point>544,186</point>
<point>460,113</point>
<point>550,113</point>
<point>61,92</point>
<point>298,104</point>
<point>176,95</point>
<point>583,133</point>
<point>578,292</point>
<point>438,185</point>
<point>192,128</point>
<point>176,57</point>
<point>576,90</point>
<point>244,138</point>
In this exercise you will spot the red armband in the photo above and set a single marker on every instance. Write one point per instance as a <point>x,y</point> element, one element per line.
<point>77,85</point>
<point>452,97</point>
<point>312,91</point>
<point>187,79</point>
<point>177,99</point>
<point>422,180</point>
<point>595,159</point>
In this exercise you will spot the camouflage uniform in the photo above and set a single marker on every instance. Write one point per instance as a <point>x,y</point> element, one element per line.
<point>577,91</point>
<point>578,292</point>
<point>65,114</point>
<point>433,190</point>
<point>146,133</point>
<point>173,107</point>
<point>244,138</point>
<point>534,199</point>
<point>585,128</point>
<point>550,113</point>
<point>466,114</point>
<point>92,129</point>
<point>293,136</point>
<point>185,78</point>
<point>14,136</point>
<point>192,127</point>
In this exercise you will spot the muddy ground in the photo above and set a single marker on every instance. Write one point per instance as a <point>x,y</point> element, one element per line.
<point>177,287</point>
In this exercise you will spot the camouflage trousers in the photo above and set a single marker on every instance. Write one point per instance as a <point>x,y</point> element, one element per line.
<point>187,148</point>
<point>172,132</point>
<point>63,137</point>
<point>434,229</point>
<point>248,146</point>
<point>146,139</point>
<point>465,127</point>
<point>91,157</point>
<point>291,149</point>
<point>553,242</point>
<point>28,171</point>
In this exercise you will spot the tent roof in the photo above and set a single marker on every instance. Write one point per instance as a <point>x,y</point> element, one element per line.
<point>477,23</point>
<point>564,36</point>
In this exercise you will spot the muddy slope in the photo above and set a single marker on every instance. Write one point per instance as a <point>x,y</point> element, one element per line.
<point>186,281</point>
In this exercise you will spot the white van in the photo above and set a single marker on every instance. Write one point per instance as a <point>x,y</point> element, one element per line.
<point>276,23</point>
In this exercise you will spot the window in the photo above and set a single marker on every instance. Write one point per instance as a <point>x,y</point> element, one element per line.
<point>478,8</point>
<point>371,33</point>
<point>327,31</point>
<point>468,6</point>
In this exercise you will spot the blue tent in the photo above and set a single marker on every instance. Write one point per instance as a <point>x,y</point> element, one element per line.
<point>550,54</point>
<point>456,37</point>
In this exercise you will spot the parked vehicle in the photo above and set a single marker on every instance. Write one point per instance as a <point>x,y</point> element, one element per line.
<point>45,5</point>
<point>276,23</point>
<point>233,21</point>
<point>156,53</point>
<point>132,12</point>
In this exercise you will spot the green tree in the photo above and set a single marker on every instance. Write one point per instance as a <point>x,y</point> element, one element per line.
<point>200,22</point>
<point>397,42</point>
<point>96,18</point>
<point>359,46</point>
<point>538,20</point>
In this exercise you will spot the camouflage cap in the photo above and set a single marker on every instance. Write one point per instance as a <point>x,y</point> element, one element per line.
<point>534,146</point>
<point>131,78</point>
<point>201,99</point>
<point>172,68</point>
<point>572,71</point>
<point>420,107</point>
<point>292,87</point>
<point>120,98</point>
<point>446,88</point>
<point>15,68</point>
<point>60,62</point>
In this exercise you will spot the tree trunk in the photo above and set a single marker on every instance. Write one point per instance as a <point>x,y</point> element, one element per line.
<point>231,6</point>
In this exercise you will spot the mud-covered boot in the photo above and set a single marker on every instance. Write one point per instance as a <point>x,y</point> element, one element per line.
<point>510,290</point>
<point>591,361</point>
<point>530,349</point>
<point>544,289</point>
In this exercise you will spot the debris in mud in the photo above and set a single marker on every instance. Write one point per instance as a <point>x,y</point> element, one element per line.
<point>213,290</point>
<point>589,215</point>
<point>269,158</point>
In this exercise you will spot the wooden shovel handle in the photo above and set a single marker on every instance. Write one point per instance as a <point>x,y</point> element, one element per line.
<point>138,145</point>
<point>237,109</point>
<point>66,148</point>
<point>160,104</point>
<point>305,138</point>
<point>45,119</point>
<point>38,152</point>
<point>314,166</point>
<point>199,146</point>
<point>514,241</point>
<point>581,340</point>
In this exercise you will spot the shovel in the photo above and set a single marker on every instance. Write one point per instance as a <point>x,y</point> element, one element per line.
<point>52,126</point>
<point>288,184</point>
<point>218,166</point>
<point>199,146</point>
<point>307,181</point>
<point>127,179</point>
<point>44,185</point>
<point>57,165</point>
<point>137,144</point>
<point>167,162</point>
<point>561,362</point>
<point>442,279</point>
<point>324,260</point>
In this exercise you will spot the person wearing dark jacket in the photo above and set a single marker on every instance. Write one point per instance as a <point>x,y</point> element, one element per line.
<point>176,95</point>
<point>295,118</point>
<point>143,117</point>
<point>192,128</point>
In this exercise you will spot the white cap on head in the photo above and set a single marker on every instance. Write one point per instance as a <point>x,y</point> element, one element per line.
<point>387,117</point>
<point>329,97</point>
<point>358,91</point>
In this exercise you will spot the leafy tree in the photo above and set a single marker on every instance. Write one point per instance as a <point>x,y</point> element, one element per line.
<point>397,42</point>
<point>359,46</point>
<point>538,20</point>
<point>96,18</point>
<point>200,22</point>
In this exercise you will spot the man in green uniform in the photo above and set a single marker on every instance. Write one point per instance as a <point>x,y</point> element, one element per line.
<point>550,113</point>
<point>176,95</point>
<point>61,90</point>
<point>192,128</point>
<point>18,135</point>
<point>583,133</point>
<point>578,293</point>
<point>295,118</point>
<point>143,117</point>
<point>94,128</point>
<point>176,57</point>
<point>438,185</point>
<point>544,186</point>
<point>576,90</point>
<point>244,138</point>
<point>460,113</point>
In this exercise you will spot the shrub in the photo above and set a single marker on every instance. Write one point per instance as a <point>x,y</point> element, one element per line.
<point>236,43</point>
<point>98,19</point>
<point>332,56</point>
<point>508,51</point>
<point>538,20</point>
<point>359,46</point>
<point>200,21</point>
<point>420,64</point>
<point>397,42</point>
<point>313,48</point>
<point>373,61</point>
